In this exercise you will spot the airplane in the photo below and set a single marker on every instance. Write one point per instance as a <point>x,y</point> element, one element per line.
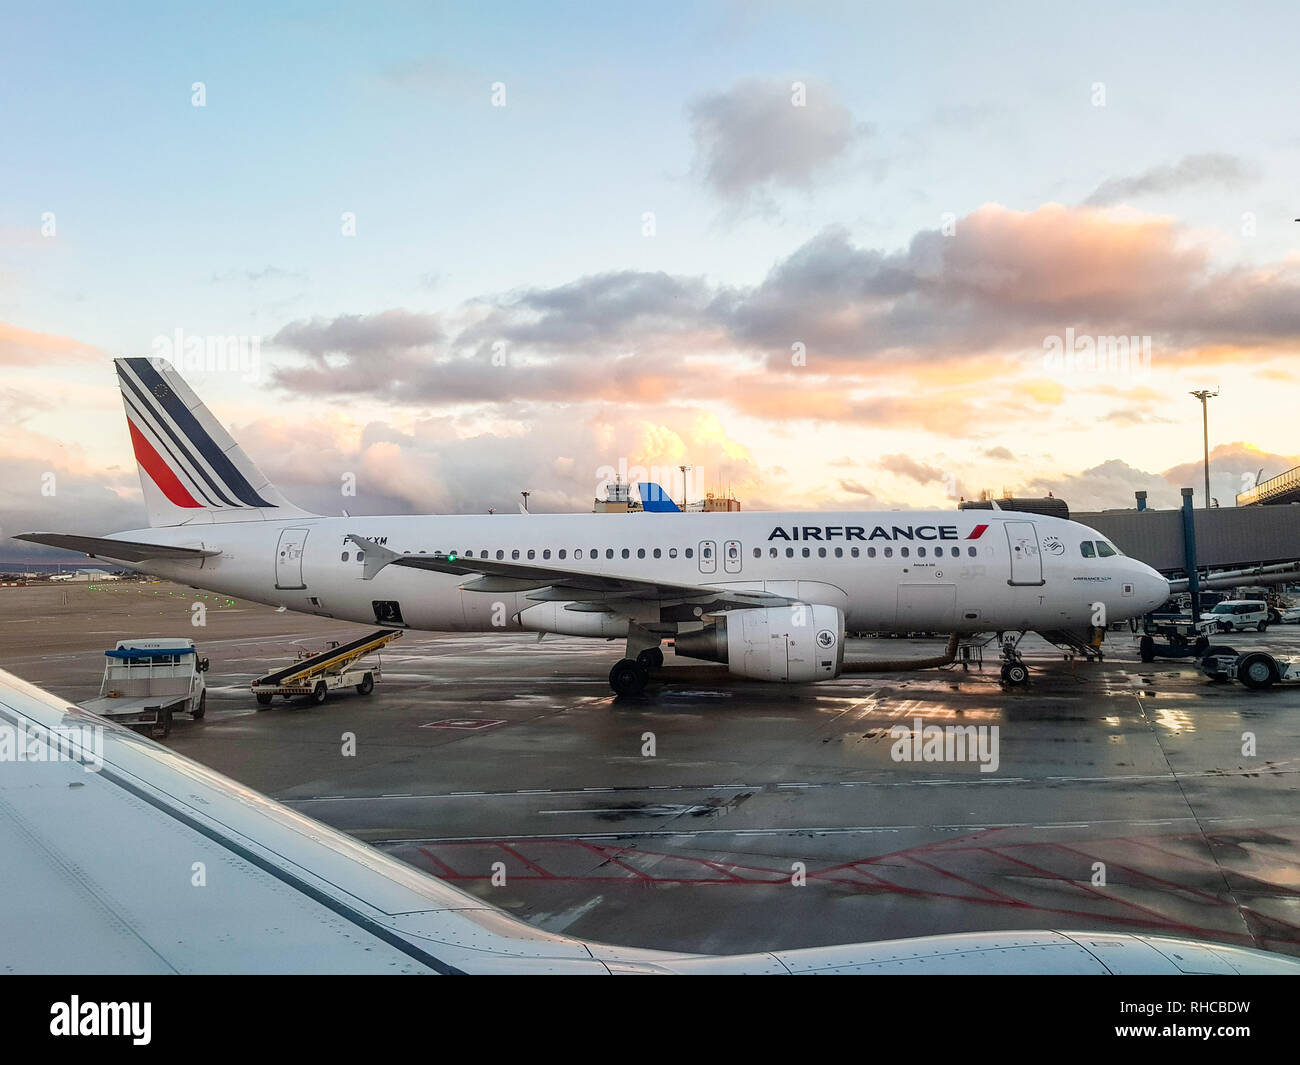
<point>770,594</point>
<point>105,834</point>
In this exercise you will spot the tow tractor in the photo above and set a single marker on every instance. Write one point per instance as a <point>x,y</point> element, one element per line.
<point>317,673</point>
<point>1255,669</point>
<point>146,682</point>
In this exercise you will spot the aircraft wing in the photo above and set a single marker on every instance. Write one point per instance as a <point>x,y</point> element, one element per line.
<point>124,857</point>
<point>106,547</point>
<point>556,583</point>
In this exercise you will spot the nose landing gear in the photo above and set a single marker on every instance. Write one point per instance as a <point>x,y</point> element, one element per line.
<point>1014,671</point>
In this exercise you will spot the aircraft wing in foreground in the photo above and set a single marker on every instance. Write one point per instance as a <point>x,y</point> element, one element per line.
<point>123,857</point>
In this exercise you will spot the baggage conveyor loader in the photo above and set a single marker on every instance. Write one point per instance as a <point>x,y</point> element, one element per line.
<point>315,674</point>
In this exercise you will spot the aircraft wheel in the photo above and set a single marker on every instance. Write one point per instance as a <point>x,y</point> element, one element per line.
<point>651,658</point>
<point>1015,673</point>
<point>1257,671</point>
<point>319,692</point>
<point>264,698</point>
<point>1147,649</point>
<point>202,707</point>
<point>628,677</point>
<point>367,685</point>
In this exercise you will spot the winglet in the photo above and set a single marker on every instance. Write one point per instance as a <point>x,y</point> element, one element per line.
<point>377,555</point>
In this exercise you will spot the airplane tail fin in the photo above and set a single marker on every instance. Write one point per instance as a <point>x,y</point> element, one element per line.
<point>655,500</point>
<point>191,469</point>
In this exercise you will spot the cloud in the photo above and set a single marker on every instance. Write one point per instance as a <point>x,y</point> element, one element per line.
<point>268,273</point>
<point>751,138</point>
<point>1135,416</point>
<point>908,467</point>
<point>1002,454</point>
<point>1107,486</point>
<point>1234,467</point>
<point>460,465</point>
<point>25,347</point>
<point>361,335</point>
<point>1216,168</point>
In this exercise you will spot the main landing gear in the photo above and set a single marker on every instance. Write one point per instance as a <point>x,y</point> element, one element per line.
<point>1014,671</point>
<point>630,675</point>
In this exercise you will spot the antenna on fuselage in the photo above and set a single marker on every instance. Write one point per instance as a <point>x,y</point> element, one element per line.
<point>523,507</point>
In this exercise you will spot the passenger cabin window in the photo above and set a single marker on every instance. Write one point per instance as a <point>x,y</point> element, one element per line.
<point>501,554</point>
<point>1086,549</point>
<point>532,553</point>
<point>640,552</point>
<point>514,553</point>
<point>789,552</point>
<point>561,554</point>
<point>758,552</point>
<point>839,552</point>
<point>627,553</point>
<point>970,551</point>
<point>657,552</point>
<point>672,552</point>
<point>546,553</point>
<point>871,552</point>
<point>920,552</point>
<point>821,552</point>
<point>889,552</point>
<point>345,556</point>
<point>609,552</point>
<point>688,552</point>
<point>854,552</point>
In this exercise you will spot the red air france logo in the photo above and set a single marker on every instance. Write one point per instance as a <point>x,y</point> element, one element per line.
<point>977,532</point>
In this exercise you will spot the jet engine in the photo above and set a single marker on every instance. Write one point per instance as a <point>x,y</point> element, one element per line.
<point>797,644</point>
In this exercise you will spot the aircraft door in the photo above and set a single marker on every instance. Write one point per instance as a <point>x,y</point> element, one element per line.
<point>288,559</point>
<point>708,556</point>
<point>1026,561</point>
<point>731,556</point>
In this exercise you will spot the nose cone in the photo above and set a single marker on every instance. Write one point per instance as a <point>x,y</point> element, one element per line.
<point>1152,589</point>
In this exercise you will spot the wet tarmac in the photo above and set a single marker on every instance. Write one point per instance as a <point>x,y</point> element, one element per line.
<point>718,815</point>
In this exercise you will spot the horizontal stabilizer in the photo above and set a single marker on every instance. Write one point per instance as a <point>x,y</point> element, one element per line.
<point>106,547</point>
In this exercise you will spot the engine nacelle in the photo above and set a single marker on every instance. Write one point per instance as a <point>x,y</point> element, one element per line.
<point>552,617</point>
<point>797,644</point>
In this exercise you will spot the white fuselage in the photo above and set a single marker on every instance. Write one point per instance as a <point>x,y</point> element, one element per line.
<point>896,570</point>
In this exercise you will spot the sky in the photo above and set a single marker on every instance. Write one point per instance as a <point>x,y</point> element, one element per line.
<point>831,256</point>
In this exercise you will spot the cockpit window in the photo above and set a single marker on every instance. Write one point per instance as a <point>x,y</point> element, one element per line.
<point>1086,549</point>
<point>1104,550</point>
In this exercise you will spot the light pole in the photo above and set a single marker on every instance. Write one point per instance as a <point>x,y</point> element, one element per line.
<point>1203,395</point>
<point>684,470</point>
